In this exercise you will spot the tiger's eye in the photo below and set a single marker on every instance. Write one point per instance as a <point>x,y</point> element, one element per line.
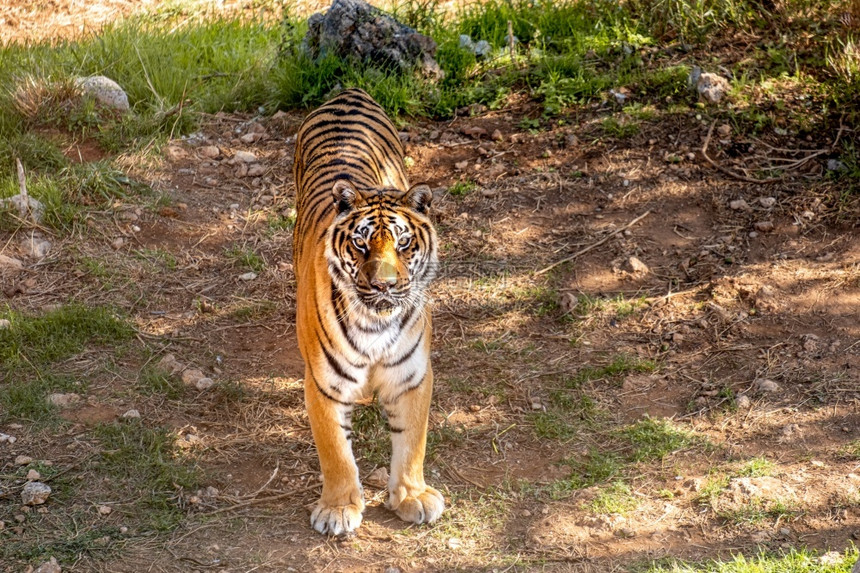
<point>404,241</point>
<point>358,243</point>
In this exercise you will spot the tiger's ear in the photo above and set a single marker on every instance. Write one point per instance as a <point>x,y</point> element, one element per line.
<point>343,194</point>
<point>419,197</point>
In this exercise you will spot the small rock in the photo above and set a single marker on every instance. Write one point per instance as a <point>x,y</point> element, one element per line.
<point>26,206</point>
<point>831,558</point>
<point>455,543</point>
<point>5,438</point>
<point>135,228</point>
<point>192,376</point>
<point>63,400</point>
<point>170,365</point>
<point>248,276</point>
<point>570,140</point>
<point>204,384</point>
<point>105,510</point>
<point>35,493</point>
<point>497,135</point>
<point>461,165</point>
<point>23,460</point>
<point>765,385</point>
<point>36,247</point>
<point>105,91</point>
<point>175,153</point>
<point>764,226</point>
<point>256,170</point>
<point>9,262</point>
<point>209,152</point>
<point>253,137</point>
<point>33,475</point>
<point>49,567</point>
<point>378,478</point>
<point>526,513</point>
<point>835,165</point>
<point>743,402</point>
<point>767,202</point>
<point>636,266</point>
<point>817,463</point>
<point>724,130</point>
<point>131,414</point>
<point>712,87</point>
<point>739,205</point>
<point>117,243</point>
<point>244,157</point>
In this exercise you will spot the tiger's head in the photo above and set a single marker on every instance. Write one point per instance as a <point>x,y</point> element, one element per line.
<point>381,248</point>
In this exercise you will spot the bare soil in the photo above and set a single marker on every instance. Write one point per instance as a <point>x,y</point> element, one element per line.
<point>722,305</point>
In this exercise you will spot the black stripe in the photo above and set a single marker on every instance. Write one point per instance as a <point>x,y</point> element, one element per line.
<point>406,356</point>
<point>394,430</point>
<point>336,366</point>
<point>329,396</point>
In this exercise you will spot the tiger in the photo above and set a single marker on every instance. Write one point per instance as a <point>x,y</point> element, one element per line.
<point>365,251</point>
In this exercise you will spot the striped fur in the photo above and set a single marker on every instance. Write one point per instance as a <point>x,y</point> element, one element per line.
<point>365,252</point>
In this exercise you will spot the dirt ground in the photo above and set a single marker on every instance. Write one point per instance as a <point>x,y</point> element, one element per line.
<point>749,311</point>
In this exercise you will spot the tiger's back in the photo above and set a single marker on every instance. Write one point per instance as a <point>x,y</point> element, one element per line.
<point>364,252</point>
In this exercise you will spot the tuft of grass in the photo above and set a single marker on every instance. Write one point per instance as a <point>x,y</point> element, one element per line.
<point>462,188</point>
<point>620,128</point>
<point>37,341</point>
<point>797,560</point>
<point>758,511</point>
<point>615,498</point>
<point>620,364</point>
<point>370,436</point>
<point>153,380</point>
<point>655,439</point>
<point>757,467</point>
<point>551,425</point>
<point>597,467</point>
<point>147,464</point>
<point>245,258</point>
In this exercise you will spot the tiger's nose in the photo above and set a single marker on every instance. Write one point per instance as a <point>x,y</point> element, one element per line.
<point>382,276</point>
<point>383,284</point>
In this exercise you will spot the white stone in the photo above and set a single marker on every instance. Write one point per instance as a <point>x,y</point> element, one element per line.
<point>23,460</point>
<point>256,169</point>
<point>105,91</point>
<point>766,385</point>
<point>49,567</point>
<point>738,205</point>
<point>743,402</point>
<point>35,493</point>
<point>105,510</point>
<point>244,157</point>
<point>192,376</point>
<point>61,400</point>
<point>26,206</point>
<point>131,414</point>
<point>4,324</point>
<point>248,276</point>
<point>767,202</point>
<point>33,475</point>
<point>9,262</point>
<point>209,151</point>
<point>204,384</point>
<point>712,87</point>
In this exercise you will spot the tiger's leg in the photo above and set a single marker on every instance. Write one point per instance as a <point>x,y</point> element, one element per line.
<point>339,508</point>
<point>408,411</point>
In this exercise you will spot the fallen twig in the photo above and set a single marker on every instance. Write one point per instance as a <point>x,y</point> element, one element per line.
<point>593,245</point>
<point>262,500</point>
<point>729,172</point>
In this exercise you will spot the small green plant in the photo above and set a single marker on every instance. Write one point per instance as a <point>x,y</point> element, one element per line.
<point>245,258</point>
<point>757,467</point>
<point>550,425</point>
<point>620,128</point>
<point>462,188</point>
<point>655,439</point>
<point>370,436</point>
<point>614,498</point>
<point>620,364</point>
<point>154,380</point>
<point>794,561</point>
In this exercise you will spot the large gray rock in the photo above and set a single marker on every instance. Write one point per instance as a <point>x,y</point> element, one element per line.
<point>355,29</point>
<point>105,91</point>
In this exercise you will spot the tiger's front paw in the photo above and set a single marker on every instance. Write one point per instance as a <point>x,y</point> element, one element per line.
<point>423,507</point>
<point>336,519</point>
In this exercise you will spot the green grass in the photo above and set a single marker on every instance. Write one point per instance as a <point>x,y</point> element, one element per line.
<point>33,342</point>
<point>797,560</point>
<point>153,380</point>
<point>653,439</point>
<point>617,498</point>
<point>462,188</point>
<point>370,437</point>
<point>149,468</point>
<point>619,365</point>
<point>757,467</point>
<point>245,258</point>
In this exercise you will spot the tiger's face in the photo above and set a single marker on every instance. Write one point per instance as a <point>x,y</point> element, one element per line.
<point>382,247</point>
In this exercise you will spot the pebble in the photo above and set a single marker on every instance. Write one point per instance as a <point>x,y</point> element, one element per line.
<point>33,475</point>
<point>764,226</point>
<point>766,385</point>
<point>10,262</point>
<point>23,460</point>
<point>105,91</point>
<point>461,165</point>
<point>175,153</point>
<point>192,376</point>
<point>49,567</point>
<point>7,438</point>
<point>36,247</point>
<point>455,543</point>
<point>63,400</point>
<point>105,510</point>
<point>497,135</point>
<point>251,137</point>
<point>204,384</point>
<point>256,169</point>
<point>4,324</point>
<point>767,202</point>
<point>117,243</point>
<point>209,152</point>
<point>244,157</point>
<point>724,130</point>
<point>135,228</point>
<point>738,205</point>
<point>378,478</point>
<point>743,402</point>
<point>636,266</point>
<point>248,276</point>
<point>131,415</point>
<point>35,493</point>
<point>170,365</point>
